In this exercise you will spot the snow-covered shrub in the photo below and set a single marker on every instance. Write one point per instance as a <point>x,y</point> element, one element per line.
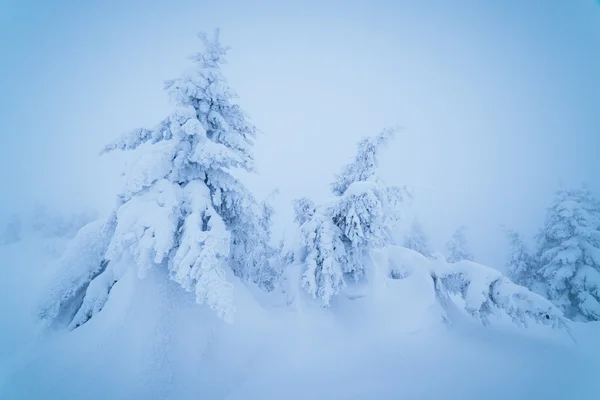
<point>82,261</point>
<point>485,291</point>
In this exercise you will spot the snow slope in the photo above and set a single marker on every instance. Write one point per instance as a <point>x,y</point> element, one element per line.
<point>152,341</point>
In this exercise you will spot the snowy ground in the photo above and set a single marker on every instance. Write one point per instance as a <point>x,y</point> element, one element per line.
<point>153,342</point>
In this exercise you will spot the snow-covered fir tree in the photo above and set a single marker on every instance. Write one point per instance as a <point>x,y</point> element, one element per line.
<point>326,259</point>
<point>365,209</point>
<point>569,253</point>
<point>521,267</point>
<point>182,207</point>
<point>417,240</point>
<point>457,246</point>
<point>336,237</point>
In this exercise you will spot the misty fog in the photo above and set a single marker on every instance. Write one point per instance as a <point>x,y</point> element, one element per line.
<point>498,101</point>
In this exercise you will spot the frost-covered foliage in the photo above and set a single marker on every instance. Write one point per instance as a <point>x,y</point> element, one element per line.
<point>182,207</point>
<point>484,291</point>
<point>337,236</point>
<point>417,240</point>
<point>521,266</point>
<point>365,209</point>
<point>326,259</point>
<point>457,247</point>
<point>569,254</point>
<point>364,166</point>
<point>304,209</point>
<point>487,292</point>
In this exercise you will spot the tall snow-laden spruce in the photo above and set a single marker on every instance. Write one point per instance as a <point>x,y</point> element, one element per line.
<point>416,240</point>
<point>569,253</point>
<point>337,237</point>
<point>457,246</point>
<point>182,207</point>
<point>521,266</point>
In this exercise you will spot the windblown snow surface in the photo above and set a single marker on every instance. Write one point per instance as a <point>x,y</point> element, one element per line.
<point>152,341</point>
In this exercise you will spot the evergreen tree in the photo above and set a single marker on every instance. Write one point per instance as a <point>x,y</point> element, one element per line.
<point>366,209</point>
<point>569,253</point>
<point>182,207</point>
<point>326,259</point>
<point>457,247</point>
<point>336,237</point>
<point>521,266</point>
<point>416,240</point>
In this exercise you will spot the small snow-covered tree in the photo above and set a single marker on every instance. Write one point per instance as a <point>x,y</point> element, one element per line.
<point>569,253</point>
<point>326,259</point>
<point>416,240</point>
<point>182,207</point>
<point>337,236</point>
<point>365,209</point>
<point>521,267</point>
<point>457,247</point>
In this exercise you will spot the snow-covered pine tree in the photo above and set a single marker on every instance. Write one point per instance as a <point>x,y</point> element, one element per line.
<point>521,267</point>
<point>182,207</point>
<point>457,247</point>
<point>336,237</point>
<point>569,253</point>
<point>416,240</point>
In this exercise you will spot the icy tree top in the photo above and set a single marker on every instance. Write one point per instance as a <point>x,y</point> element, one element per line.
<point>205,132</point>
<point>364,165</point>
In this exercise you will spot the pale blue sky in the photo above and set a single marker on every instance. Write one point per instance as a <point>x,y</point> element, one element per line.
<point>499,100</point>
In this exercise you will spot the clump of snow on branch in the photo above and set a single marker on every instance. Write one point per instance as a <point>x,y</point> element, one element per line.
<point>486,292</point>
